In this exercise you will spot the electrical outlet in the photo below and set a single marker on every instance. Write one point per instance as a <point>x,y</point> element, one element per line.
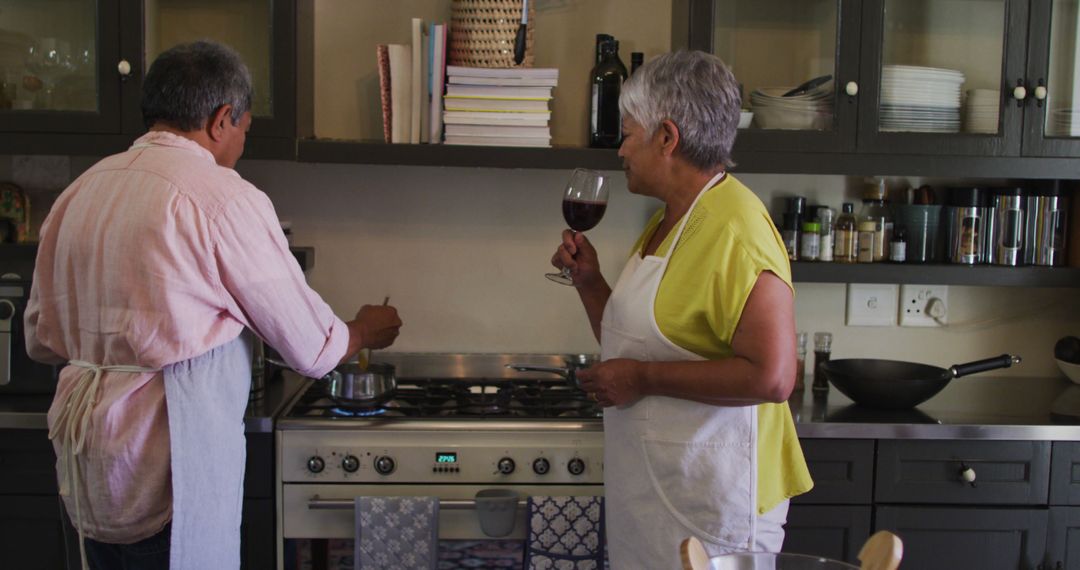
<point>923,305</point>
<point>871,305</point>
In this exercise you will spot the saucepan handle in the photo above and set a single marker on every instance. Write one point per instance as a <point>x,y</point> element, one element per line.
<point>1003,361</point>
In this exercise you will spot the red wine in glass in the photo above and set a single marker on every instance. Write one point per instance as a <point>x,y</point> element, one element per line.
<point>583,215</point>
<point>583,205</point>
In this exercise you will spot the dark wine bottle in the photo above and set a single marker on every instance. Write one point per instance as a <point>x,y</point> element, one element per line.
<point>636,59</point>
<point>605,121</point>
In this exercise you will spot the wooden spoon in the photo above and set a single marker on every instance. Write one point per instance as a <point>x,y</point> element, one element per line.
<point>693,555</point>
<point>882,551</point>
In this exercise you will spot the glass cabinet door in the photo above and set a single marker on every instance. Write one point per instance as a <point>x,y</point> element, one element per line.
<point>942,74</point>
<point>58,66</point>
<point>251,27</point>
<point>786,55</point>
<point>1052,123</point>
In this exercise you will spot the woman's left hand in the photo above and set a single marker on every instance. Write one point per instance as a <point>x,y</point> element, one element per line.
<point>616,382</point>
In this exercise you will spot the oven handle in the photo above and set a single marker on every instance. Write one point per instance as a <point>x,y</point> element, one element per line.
<point>315,503</point>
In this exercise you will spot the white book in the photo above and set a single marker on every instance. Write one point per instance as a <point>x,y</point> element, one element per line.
<point>502,105</point>
<point>459,116</point>
<point>438,81</point>
<point>526,120</point>
<point>499,131</point>
<point>503,72</point>
<point>417,80</point>
<point>499,92</point>
<point>400,92</point>
<point>498,141</point>
<point>523,81</point>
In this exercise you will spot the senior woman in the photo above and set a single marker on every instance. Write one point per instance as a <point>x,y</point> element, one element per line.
<point>697,337</point>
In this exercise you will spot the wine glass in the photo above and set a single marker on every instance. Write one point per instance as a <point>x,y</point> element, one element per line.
<point>584,202</point>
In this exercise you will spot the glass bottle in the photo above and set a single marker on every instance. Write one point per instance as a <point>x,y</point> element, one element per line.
<point>800,366</point>
<point>811,241</point>
<point>825,222</point>
<point>605,123</point>
<point>846,248</point>
<point>636,59</point>
<point>822,351</point>
<point>867,235</point>
<point>790,229</point>
<point>898,246</point>
<point>601,39</point>
<point>875,210</point>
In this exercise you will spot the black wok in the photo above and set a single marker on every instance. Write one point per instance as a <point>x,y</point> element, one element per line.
<point>896,385</point>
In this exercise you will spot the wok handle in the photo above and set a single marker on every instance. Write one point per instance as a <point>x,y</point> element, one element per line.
<point>1003,361</point>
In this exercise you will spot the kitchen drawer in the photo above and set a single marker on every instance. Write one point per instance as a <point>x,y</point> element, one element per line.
<point>1006,472</point>
<point>842,469</point>
<point>1065,474</point>
<point>27,462</point>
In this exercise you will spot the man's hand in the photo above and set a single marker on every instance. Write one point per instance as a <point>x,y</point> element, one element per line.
<point>378,325</point>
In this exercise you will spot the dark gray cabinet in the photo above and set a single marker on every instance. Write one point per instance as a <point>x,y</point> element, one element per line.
<point>34,529</point>
<point>112,44</point>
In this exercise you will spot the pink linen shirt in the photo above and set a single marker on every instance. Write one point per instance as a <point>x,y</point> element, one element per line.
<point>154,256</point>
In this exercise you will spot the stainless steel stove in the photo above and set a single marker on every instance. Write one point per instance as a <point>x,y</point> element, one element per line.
<point>456,424</point>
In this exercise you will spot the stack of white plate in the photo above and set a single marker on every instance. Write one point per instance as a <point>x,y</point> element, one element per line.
<point>1064,122</point>
<point>981,109</point>
<point>812,110</point>
<point>920,99</point>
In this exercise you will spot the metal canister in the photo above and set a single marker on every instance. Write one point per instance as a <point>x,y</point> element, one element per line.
<point>1031,228</point>
<point>1007,232</point>
<point>965,218</point>
<point>1052,228</point>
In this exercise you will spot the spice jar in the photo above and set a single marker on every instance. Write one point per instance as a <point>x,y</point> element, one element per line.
<point>868,231</point>
<point>965,217</point>
<point>825,220</point>
<point>846,248</point>
<point>822,351</point>
<point>811,241</point>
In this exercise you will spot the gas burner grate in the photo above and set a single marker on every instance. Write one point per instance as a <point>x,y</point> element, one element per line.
<point>456,398</point>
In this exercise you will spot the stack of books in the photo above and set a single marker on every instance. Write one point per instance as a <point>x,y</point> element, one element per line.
<point>498,107</point>
<point>411,79</point>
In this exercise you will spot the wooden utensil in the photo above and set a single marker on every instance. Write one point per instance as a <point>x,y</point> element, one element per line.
<point>693,555</point>
<point>882,551</point>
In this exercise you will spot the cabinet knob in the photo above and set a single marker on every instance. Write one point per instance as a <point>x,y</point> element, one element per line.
<point>1040,93</point>
<point>1019,92</point>
<point>967,474</point>
<point>124,67</point>
<point>852,88</point>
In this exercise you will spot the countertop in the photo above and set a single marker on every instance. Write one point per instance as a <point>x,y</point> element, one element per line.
<point>29,412</point>
<point>971,407</point>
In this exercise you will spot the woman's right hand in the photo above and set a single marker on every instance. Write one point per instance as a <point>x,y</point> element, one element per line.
<point>378,325</point>
<point>578,256</point>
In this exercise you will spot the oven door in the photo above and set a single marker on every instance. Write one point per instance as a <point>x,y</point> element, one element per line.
<point>326,511</point>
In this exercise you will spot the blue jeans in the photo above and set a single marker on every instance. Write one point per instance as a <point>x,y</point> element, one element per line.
<point>147,554</point>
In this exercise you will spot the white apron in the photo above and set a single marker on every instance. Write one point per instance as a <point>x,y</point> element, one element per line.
<point>672,468</point>
<point>205,397</point>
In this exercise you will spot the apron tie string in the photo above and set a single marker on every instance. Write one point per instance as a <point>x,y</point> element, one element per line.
<point>71,427</point>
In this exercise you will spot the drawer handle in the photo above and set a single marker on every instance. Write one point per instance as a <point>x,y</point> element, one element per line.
<point>967,474</point>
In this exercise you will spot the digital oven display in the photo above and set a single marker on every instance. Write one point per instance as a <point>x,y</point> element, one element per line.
<point>444,457</point>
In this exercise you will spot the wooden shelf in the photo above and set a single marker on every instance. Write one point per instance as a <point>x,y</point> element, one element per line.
<point>935,274</point>
<point>368,152</point>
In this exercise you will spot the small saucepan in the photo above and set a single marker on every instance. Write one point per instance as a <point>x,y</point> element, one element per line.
<point>895,385</point>
<point>352,383</point>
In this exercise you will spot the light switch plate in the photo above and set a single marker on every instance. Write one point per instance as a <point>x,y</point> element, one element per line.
<point>871,305</point>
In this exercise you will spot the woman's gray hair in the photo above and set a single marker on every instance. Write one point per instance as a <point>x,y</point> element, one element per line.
<point>188,83</point>
<point>697,92</point>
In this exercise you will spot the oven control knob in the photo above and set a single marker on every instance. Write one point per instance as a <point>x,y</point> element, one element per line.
<point>506,466</point>
<point>541,466</point>
<point>384,465</point>
<point>315,464</point>
<point>350,463</point>
<point>576,466</point>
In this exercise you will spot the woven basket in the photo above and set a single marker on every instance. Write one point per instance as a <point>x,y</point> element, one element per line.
<point>482,33</point>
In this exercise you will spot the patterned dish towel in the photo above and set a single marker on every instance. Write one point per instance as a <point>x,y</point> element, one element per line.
<point>565,533</point>
<point>399,533</point>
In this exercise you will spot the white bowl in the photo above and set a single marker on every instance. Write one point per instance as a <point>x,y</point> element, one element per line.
<point>771,118</point>
<point>1072,371</point>
<point>744,119</point>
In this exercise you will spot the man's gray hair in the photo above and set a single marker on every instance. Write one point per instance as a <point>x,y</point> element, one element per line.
<point>697,92</point>
<point>188,83</point>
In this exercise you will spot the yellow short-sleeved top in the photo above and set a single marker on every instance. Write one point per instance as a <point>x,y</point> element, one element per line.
<point>728,241</point>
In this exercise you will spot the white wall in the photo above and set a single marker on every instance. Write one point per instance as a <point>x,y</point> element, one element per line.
<point>462,252</point>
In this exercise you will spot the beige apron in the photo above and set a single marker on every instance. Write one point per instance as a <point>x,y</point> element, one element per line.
<point>672,468</point>
<point>206,397</point>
